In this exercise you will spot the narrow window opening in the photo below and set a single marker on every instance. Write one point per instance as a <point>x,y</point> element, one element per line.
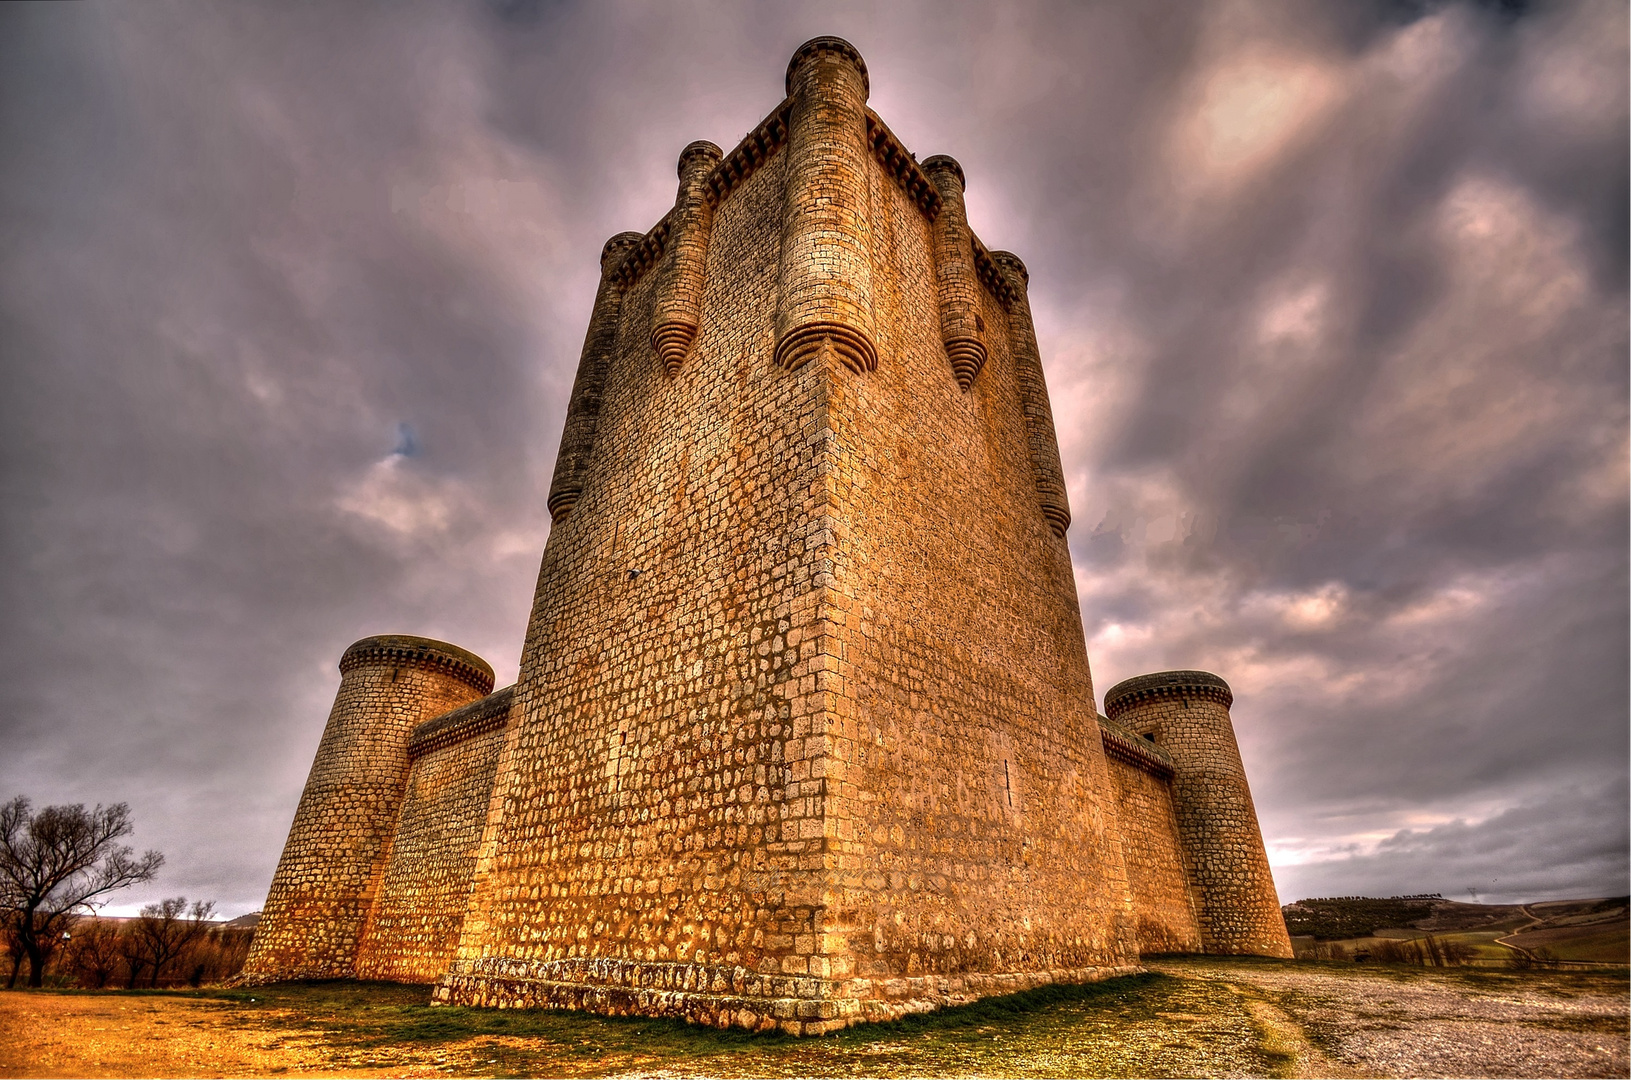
<point>1007,783</point>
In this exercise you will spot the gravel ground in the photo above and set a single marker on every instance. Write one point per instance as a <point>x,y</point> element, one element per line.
<point>1459,1022</point>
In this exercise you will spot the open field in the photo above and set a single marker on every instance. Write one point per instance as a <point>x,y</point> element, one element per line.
<point>1189,1016</point>
<point>1602,944</point>
<point>1576,932</point>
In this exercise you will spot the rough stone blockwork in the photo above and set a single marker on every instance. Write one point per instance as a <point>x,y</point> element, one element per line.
<point>326,881</point>
<point>1186,713</point>
<point>804,733</point>
<point>414,925</point>
<point>1141,777</point>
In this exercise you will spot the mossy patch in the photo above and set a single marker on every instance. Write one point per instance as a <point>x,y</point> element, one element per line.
<point>1146,1025</point>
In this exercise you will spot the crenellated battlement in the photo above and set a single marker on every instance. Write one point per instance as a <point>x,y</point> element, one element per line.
<point>1175,684</point>
<point>403,650</point>
<point>463,723</point>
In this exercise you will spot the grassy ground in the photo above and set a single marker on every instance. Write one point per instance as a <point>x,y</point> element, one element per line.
<point>1148,1025</point>
<point>1186,1017</point>
<point>1611,944</point>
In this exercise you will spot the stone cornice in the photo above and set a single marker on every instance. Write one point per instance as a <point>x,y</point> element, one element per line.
<point>1124,745</point>
<point>899,163</point>
<point>1174,684</point>
<point>991,275</point>
<point>465,722</point>
<point>757,147</point>
<point>404,650</point>
<point>644,255</point>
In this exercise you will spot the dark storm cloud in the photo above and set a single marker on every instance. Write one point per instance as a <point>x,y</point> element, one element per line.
<point>1332,301</point>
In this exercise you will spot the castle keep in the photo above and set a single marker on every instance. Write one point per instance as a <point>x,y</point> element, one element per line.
<point>804,732</point>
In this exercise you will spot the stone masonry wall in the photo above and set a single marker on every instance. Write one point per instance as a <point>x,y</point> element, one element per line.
<point>329,873</point>
<point>413,927</point>
<point>1141,777</point>
<point>1186,713</point>
<point>975,838</point>
<point>656,838</point>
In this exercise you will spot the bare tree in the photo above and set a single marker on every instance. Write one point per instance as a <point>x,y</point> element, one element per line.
<point>93,953</point>
<point>167,930</point>
<point>57,865</point>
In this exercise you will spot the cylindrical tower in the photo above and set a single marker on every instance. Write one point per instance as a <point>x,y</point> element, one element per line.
<point>325,881</point>
<point>680,278</point>
<point>825,276</point>
<point>961,326</point>
<point>1186,713</point>
<point>1033,390</point>
<point>583,408</point>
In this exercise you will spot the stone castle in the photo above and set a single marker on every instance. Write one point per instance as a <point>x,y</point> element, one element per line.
<point>804,733</point>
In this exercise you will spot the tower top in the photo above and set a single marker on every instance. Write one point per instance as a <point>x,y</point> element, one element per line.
<point>409,651</point>
<point>815,47</point>
<point>1128,692</point>
<point>949,164</point>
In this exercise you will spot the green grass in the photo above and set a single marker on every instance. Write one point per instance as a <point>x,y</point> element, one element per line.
<point>1147,1025</point>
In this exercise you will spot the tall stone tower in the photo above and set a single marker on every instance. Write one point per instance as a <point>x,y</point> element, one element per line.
<point>805,731</point>
<point>1186,713</point>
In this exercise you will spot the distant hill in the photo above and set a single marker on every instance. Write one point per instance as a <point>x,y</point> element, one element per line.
<point>1595,930</point>
<point>248,922</point>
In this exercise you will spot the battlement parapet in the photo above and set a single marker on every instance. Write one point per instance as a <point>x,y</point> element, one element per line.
<point>1201,684</point>
<point>404,650</point>
<point>902,165</point>
<point>617,248</point>
<point>644,255</point>
<point>991,264</point>
<point>757,147</point>
<point>1124,745</point>
<point>465,722</point>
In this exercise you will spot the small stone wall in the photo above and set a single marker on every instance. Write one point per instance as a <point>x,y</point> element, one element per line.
<point>414,926</point>
<point>1141,776</point>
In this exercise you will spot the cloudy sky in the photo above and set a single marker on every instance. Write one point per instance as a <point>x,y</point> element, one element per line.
<point>1332,300</point>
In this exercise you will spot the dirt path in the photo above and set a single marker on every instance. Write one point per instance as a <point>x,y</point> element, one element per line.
<point>1450,1022</point>
<point>1534,921</point>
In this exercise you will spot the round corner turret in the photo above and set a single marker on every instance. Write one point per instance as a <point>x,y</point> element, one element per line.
<point>941,164</point>
<point>617,247</point>
<point>321,894</point>
<point>829,46</point>
<point>1186,713</point>
<point>700,154</point>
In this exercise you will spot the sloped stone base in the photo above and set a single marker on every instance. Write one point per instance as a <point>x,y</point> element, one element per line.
<point>728,997</point>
